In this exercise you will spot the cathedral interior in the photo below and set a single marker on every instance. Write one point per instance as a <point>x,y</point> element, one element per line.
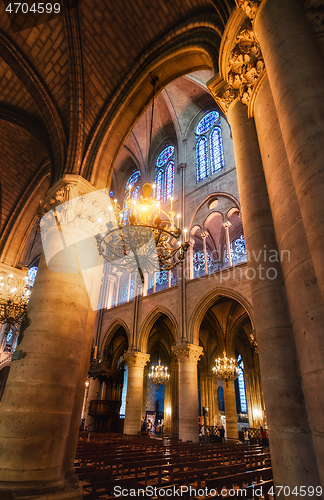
<point>161,239</point>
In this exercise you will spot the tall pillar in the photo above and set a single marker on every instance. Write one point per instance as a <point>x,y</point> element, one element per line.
<point>46,380</point>
<point>188,355</point>
<point>174,385</point>
<point>189,260</point>
<point>204,236</point>
<point>226,226</point>
<point>293,58</point>
<point>136,361</point>
<point>289,432</point>
<point>111,280</point>
<point>304,298</point>
<point>230,410</point>
<point>119,275</point>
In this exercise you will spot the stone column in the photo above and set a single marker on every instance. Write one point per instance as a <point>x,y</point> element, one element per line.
<point>289,432</point>
<point>230,410</point>
<point>188,355</point>
<point>46,380</point>
<point>136,361</point>
<point>226,226</point>
<point>111,280</point>
<point>304,298</point>
<point>204,236</point>
<point>174,385</point>
<point>119,275</point>
<point>293,58</point>
<point>189,260</point>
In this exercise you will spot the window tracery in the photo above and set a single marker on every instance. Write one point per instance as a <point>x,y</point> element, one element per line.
<point>164,177</point>
<point>209,146</point>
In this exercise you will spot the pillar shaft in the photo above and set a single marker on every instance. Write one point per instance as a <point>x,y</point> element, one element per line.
<point>292,57</point>
<point>188,355</point>
<point>136,362</point>
<point>230,410</point>
<point>285,406</point>
<point>303,293</point>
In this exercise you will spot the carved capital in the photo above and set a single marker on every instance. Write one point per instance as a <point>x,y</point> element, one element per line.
<point>204,234</point>
<point>250,7</point>
<point>136,358</point>
<point>73,201</point>
<point>227,224</point>
<point>186,353</point>
<point>245,64</point>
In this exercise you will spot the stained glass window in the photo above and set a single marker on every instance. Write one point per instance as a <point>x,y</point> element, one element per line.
<point>164,156</point>
<point>159,185</point>
<point>164,178</point>
<point>31,275</point>
<point>124,294</point>
<point>207,122</point>
<point>241,385</point>
<point>202,159</point>
<point>238,249</point>
<point>162,277</point>
<point>216,150</point>
<point>124,393</point>
<point>111,194</point>
<point>133,183</point>
<point>169,181</point>
<point>199,261</point>
<point>209,147</point>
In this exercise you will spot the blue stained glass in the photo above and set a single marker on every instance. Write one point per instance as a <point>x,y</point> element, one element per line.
<point>202,159</point>
<point>159,185</point>
<point>238,249</point>
<point>111,194</point>
<point>133,180</point>
<point>216,150</point>
<point>31,275</point>
<point>124,393</point>
<point>241,385</point>
<point>162,277</point>
<point>199,261</point>
<point>207,122</point>
<point>164,156</point>
<point>169,181</point>
<point>124,293</point>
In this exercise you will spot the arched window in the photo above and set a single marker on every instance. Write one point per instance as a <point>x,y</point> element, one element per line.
<point>133,185</point>
<point>209,146</point>
<point>31,275</point>
<point>241,385</point>
<point>164,177</point>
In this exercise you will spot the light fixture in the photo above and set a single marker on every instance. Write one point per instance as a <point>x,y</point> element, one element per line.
<point>226,368</point>
<point>159,375</point>
<point>143,237</point>
<point>14,297</point>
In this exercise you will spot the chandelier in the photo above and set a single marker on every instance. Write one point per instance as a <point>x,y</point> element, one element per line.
<point>226,369</point>
<point>142,237</point>
<point>14,297</point>
<point>159,375</point>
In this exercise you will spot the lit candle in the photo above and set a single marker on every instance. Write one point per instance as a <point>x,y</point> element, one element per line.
<point>178,220</point>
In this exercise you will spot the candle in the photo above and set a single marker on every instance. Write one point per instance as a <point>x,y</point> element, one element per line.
<point>171,202</point>
<point>95,352</point>
<point>185,232</point>
<point>178,220</point>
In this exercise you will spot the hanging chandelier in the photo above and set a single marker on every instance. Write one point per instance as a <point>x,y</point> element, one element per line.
<point>159,375</point>
<point>14,297</point>
<point>226,368</point>
<point>142,237</point>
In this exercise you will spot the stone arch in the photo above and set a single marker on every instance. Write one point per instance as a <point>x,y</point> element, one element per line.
<point>115,325</point>
<point>148,323</point>
<point>190,47</point>
<point>206,302</point>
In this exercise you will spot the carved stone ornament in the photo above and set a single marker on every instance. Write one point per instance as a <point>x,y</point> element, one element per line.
<point>187,352</point>
<point>250,7</point>
<point>75,202</point>
<point>245,64</point>
<point>136,358</point>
